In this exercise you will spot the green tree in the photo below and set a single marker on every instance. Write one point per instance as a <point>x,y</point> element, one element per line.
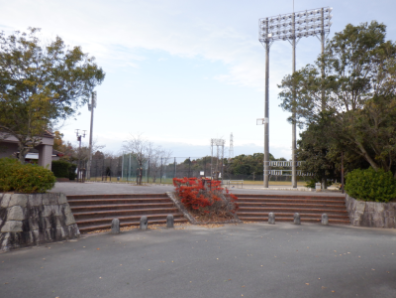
<point>41,84</point>
<point>356,116</point>
<point>249,164</point>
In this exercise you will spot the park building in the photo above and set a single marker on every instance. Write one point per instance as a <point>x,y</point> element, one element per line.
<point>42,154</point>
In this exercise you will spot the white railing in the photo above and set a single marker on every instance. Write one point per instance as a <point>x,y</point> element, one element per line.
<point>237,183</point>
<point>288,164</point>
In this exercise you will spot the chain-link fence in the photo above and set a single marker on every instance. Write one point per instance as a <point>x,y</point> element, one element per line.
<point>128,168</point>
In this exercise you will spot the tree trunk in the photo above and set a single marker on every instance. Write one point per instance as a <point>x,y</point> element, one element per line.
<point>324,183</point>
<point>140,173</point>
<point>22,152</point>
<point>366,156</point>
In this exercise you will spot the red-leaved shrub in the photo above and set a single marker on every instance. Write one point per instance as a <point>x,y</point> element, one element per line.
<point>205,196</point>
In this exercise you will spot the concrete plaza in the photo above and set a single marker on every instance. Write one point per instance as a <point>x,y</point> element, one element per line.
<point>246,260</point>
<point>74,188</point>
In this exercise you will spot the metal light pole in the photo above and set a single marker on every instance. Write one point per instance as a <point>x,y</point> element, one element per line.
<point>266,111</point>
<point>79,136</point>
<point>291,27</point>
<point>91,107</point>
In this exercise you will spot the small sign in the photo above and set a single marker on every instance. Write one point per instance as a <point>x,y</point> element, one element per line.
<point>262,121</point>
<point>202,173</point>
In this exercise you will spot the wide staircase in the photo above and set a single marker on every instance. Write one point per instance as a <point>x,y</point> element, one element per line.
<point>310,208</point>
<point>95,212</point>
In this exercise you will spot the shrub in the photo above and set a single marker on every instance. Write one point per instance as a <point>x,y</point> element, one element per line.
<point>72,172</point>
<point>61,168</point>
<point>371,185</point>
<point>25,178</point>
<point>205,196</point>
<point>311,183</point>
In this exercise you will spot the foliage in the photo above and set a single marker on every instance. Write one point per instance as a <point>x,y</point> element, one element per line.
<point>371,185</point>
<point>58,141</point>
<point>311,183</point>
<point>41,84</point>
<point>250,164</point>
<point>205,196</point>
<point>25,178</point>
<point>72,172</point>
<point>61,168</point>
<point>347,103</point>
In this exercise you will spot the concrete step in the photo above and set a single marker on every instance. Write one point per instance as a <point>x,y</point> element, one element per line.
<point>291,219</point>
<point>137,206</point>
<point>115,196</point>
<point>291,214</point>
<point>104,201</point>
<point>95,212</point>
<point>292,209</point>
<point>289,200</point>
<point>292,196</point>
<point>123,218</point>
<point>104,226</point>
<point>310,207</point>
<point>116,212</point>
<point>294,205</point>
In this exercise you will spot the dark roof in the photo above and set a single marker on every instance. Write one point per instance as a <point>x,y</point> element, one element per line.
<point>54,152</point>
<point>48,134</point>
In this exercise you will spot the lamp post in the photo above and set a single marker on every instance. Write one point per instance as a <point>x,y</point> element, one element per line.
<point>79,136</point>
<point>291,27</point>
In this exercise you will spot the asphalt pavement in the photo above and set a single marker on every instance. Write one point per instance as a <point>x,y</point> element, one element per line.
<point>246,260</point>
<point>74,188</point>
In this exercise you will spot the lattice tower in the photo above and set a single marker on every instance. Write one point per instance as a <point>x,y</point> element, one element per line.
<point>231,150</point>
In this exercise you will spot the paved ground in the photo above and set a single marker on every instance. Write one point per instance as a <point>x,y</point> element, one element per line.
<point>73,188</point>
<point>248,260</point>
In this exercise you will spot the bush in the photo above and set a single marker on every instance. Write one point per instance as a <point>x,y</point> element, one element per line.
<point>371,185</point>
<point>72,172</point>
<point>25,178</point>
<point>204,197</point>
<point>311,183</point>
<point>61,168</point>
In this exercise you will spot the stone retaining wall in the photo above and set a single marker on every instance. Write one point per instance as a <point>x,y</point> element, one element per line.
<point>371,214</point>
<point>32,219</point>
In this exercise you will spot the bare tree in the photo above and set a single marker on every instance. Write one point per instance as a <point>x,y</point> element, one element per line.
<point>143,151</point>
<point>157,156</point>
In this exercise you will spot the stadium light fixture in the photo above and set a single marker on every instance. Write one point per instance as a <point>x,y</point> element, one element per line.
<point>291,27</point>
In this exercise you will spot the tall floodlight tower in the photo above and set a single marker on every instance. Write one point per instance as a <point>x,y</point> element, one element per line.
<point>231,150</point>
<point>217,169</point>
<point>291,27</point>
<point>91,107</point>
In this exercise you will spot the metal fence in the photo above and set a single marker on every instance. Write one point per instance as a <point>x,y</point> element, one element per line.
<point>126,168</point>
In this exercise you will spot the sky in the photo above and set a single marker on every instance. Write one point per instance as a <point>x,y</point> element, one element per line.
<point>180,72</point>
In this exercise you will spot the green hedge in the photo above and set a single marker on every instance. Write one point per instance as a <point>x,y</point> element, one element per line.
<point>371,185</point>
<point>25,178</point>
<point>64,169</point>
<point>61,168</point>
<point>72,172</point>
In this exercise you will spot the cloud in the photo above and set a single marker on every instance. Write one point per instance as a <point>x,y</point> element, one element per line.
<point>115,32</point>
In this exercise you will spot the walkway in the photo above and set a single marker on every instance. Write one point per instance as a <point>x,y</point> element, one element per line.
<point>248,260</point>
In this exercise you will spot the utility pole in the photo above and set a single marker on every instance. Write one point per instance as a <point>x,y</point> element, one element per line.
<point>91,107</point>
